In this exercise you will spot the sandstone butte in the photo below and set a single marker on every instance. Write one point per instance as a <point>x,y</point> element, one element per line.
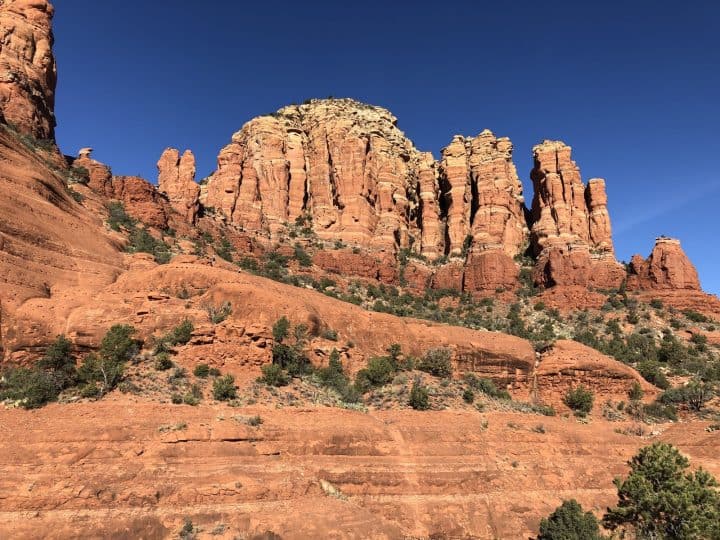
<point>341,172</point>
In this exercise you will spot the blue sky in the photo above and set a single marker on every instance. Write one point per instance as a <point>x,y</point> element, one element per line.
<point>631,86</point>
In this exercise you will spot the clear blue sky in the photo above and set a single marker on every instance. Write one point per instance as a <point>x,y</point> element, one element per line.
<point>632,86</point>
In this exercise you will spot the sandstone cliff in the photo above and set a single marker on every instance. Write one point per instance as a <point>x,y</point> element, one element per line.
<point>570,234</point>
<point>176,178</point>
<point>27,67</point>
<point>667,268</point>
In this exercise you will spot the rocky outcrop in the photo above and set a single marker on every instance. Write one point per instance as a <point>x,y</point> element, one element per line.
<point>176,179</point>
<point>571,233</point>
<point>343,163</point>
<point>141,200</point>
<point>99,175</point>
<point>667,268</point>
<point>27,67</point>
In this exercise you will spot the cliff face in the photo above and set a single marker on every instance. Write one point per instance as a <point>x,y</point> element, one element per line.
<point>345,164</point>
<point>571,233</point>
<point>667,267</point>
<point>27,67</point>
<point>176,178</point>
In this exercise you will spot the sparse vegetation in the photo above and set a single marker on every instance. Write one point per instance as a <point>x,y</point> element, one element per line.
<point>224,388</point>
<point>580,400</point>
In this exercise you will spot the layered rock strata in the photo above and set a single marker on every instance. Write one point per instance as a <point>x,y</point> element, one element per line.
<point>27,67</point>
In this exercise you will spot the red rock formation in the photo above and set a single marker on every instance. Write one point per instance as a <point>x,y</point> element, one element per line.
<point>176,178</point>
<point>99,174</point>
<point>431,228</point>
<point>598,216</point>
<point>667,268</point>
<point>27,67</point>
<point>489,271</point>
<point>457,193</point>
<point>498,222</point>
<point>484,208</point>
<point>141,200</point>
<point>571,233</point>
<point>342,162</point>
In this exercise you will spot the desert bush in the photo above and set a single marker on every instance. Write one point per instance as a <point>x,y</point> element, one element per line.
<point>224,388</point>
<point>32,387</point>
<point>379,371</point>
<point>163,361</point>
<point>419,396</point>
<point>118,217</point>
<point>274,375</point>
<point>580,400</point>
<point>202,371</point>
<point>437,362</point>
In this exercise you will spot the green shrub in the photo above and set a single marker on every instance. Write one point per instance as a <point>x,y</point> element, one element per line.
<point>330,335</point>
<point>301,256</point>
<point>695,317</point>
<point>660,411</point>
<point>419,397</point>
<point>176,399</point>
<point>694,395</point>
<point>224,249</point>
<point>274,375</point>
<point>486,386</point>
<point>468,395</point>
<point>570,522</point>
<point>650,371</point>
<point>437,362</point>
<point>105,369</point>
<point>163,362</point>
<point>636,392</point>
<point>118,344</point>
<point>379,372</point>
<point>224,388</point>
<point>281,329</point>
<point>141,241</point>
<point>59,363</point>
<point>32,387</point>
<point>202,371</point>
<point>580,400</point>
<point>118,217</point>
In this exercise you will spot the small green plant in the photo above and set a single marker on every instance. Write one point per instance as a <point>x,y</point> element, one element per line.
<point>580,400</point>
<point>419,396</point>
<point>163,361</point>
<point>301,256</point>
<point>202,371</point>
<point>224,388</point>
<point>437,362</point>
<point>636,392</point>
<point>468,396</point>
<point>274,375</point>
